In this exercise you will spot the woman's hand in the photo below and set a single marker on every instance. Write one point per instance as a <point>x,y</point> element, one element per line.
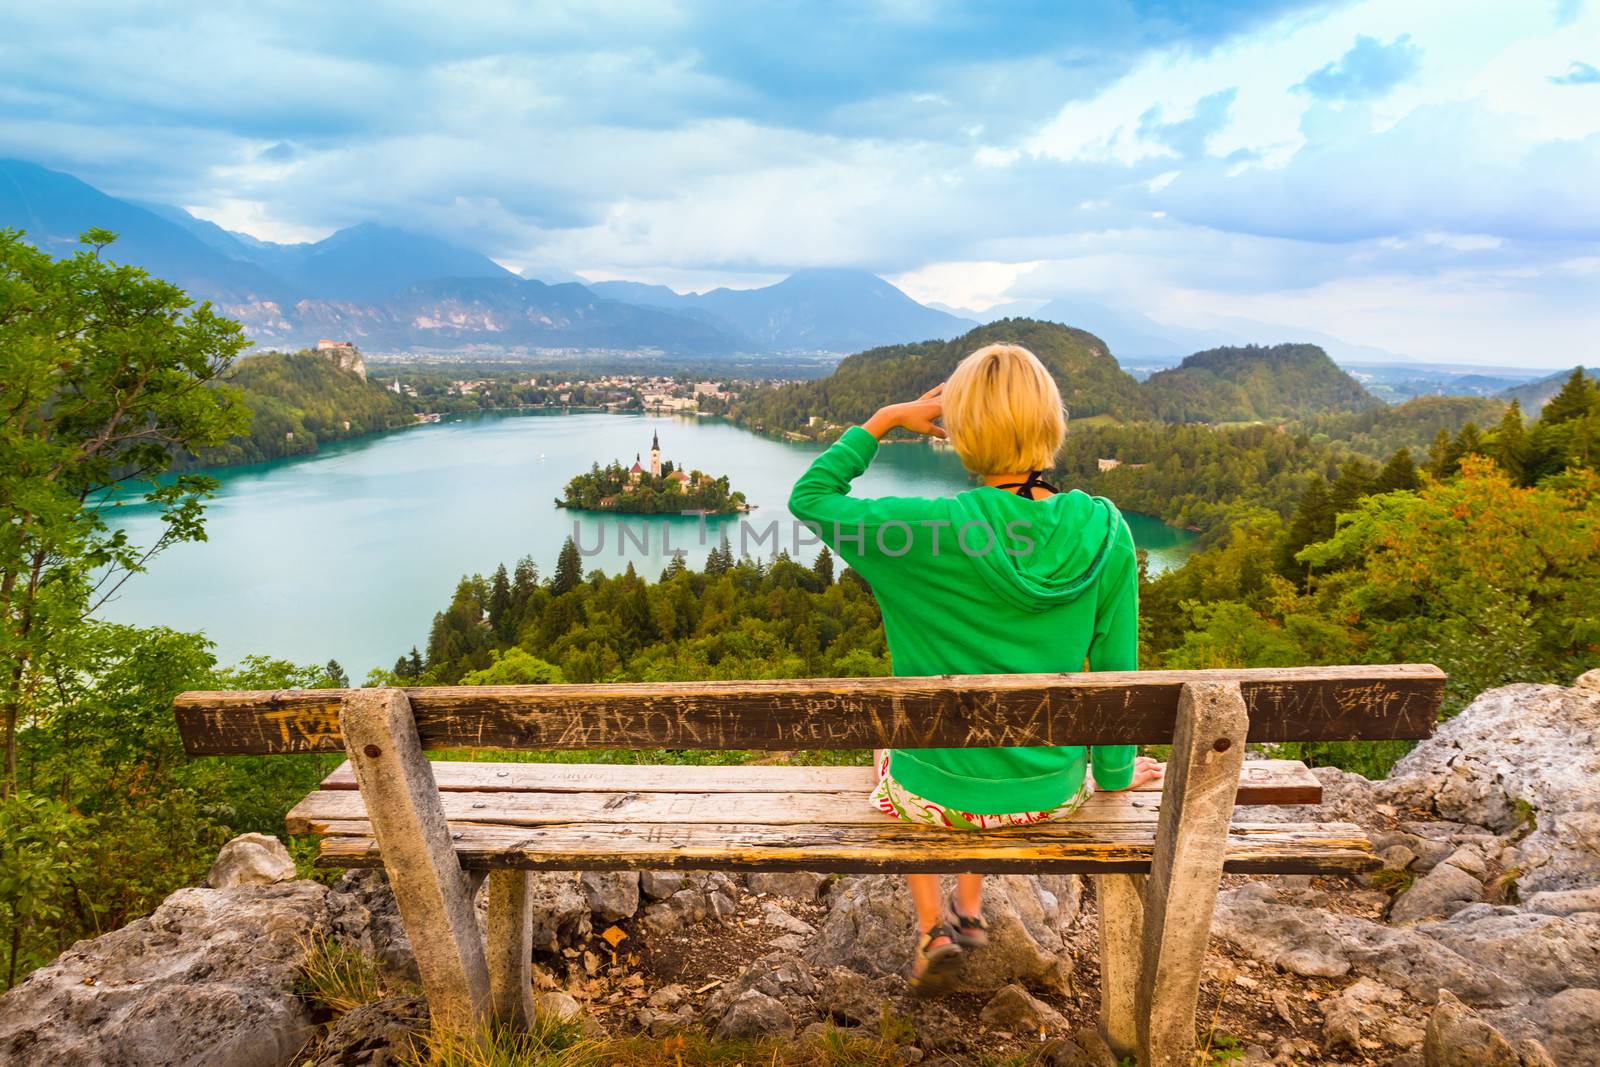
<point>914,415</point>
<point>1145,770</point>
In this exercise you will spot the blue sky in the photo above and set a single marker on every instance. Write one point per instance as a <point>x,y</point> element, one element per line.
<point>1416,176</point>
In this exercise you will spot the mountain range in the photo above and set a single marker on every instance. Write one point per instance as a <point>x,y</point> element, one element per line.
<point>390,289</point>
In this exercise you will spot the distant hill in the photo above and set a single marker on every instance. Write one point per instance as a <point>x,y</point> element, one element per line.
<point>1091,383</point>
<point>1253,382</point>
<point>300,401</point>
<point>1536,394</point>
<point>826,310</point>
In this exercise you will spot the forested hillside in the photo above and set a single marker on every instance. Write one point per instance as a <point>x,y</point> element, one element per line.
<point>300,401</point>
<point>1250,383</point>
<point>1090,380</point>
<point>1219,386</point>
<point>1378,431</point>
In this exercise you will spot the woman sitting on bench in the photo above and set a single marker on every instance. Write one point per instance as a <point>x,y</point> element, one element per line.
<point>1013,576</point>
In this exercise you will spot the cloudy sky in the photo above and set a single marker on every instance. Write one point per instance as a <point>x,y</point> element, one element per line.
<point>1419,176</point>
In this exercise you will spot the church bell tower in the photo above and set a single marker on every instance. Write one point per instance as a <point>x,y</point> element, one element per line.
<point>655,456</point>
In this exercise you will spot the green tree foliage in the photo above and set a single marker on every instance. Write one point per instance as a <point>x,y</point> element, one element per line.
<point>1196,476</point>
<point>1380,431</point>
<point>301,401</point>
<point>1399,474</point>
<point>1568,431</point>
<point>110,816</point>
<point>1511,448</point>
<point>105,372</point>
<point>1254,382</point>
<point>732,620</point>
<point>569,569</point>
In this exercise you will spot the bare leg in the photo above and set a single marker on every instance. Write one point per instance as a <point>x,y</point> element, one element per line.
<point>969,894</point>
<point>925,897</point>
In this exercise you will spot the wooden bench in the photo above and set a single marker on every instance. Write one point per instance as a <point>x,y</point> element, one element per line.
<point>1156,856</point>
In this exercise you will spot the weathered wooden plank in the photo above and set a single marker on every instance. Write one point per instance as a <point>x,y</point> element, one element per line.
<point>326,807</point>
<point>1193,840</point>
<point>509,941</point>
<point>1119,909</point>
<point>1263,781</point>
<point>1070,846</point>
<point>429,888</point>
<point>1135,707</point>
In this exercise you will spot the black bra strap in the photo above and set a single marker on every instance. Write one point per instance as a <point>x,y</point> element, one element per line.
<point>1025,489</point>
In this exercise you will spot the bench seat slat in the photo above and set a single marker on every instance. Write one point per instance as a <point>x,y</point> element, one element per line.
<point>315,813</point>
<point>1263,781</point>
<point>1068,846</point>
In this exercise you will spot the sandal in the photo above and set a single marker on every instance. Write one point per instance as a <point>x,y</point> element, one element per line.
<point>939,962</point>
<point>970,930</point>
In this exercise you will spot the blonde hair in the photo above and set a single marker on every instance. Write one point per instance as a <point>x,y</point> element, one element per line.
<point>1003,412</point>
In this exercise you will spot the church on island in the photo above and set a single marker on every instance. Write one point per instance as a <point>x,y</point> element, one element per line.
<point>637,472</point>
<point>661,487</point>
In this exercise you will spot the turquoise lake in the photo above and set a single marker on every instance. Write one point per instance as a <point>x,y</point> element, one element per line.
<point>348,554</point>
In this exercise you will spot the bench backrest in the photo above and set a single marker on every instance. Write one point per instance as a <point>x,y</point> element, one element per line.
<point>1384,702</point>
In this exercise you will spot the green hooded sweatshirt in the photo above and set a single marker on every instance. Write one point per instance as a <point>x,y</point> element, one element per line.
<point>986,582</point>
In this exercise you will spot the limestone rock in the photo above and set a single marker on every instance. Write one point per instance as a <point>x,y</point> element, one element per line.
<point>373,1035</point>
<point>773,915</point>
<point>1085,1048</point>
<point>1521,758</point>
<point>1565,901</point>
<point>561,912</point>
<point>557,1005</point>
<point>801,885</point>
<point>1443,891</point>
<point>251,859</point>
<point>377,930</point>
<point>611,895</point>
<point>870,928</point>
<point>755,1014</point>
<point>1457,1037</point>
<point>1017,1011</point>
<point>659,885</point>
<point>206,979</point>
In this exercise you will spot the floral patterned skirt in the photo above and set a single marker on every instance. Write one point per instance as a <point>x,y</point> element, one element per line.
<point>893,799</point>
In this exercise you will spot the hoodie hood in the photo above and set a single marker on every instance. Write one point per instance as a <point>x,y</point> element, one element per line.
<point>1071,537</point>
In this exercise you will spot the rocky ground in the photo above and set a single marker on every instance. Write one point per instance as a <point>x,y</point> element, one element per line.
<point>1478,943</point>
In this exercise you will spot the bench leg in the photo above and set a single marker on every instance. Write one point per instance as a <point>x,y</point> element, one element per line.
<point>1197,800</point>
<point>511,947</point>
<point>1119,904</point>
<point>402,800</point>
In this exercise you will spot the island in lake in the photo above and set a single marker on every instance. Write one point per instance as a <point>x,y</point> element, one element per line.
<point>661,489</point>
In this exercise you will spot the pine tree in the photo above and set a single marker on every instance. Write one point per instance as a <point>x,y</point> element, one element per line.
<point>1468,442</point>
<point>416,662</point>
<point>1399,474</point>
<point>1578,396</point>
<point>1353,483</point>
<point>334,675</point>
<point>823,567</point>
<point>1512,449</point>
<point>402,669</point>
<point>500,602</point>
<point>720,559</point>
<point>1441,463</point>
<point>569,569</point>
<point>1312,522</point>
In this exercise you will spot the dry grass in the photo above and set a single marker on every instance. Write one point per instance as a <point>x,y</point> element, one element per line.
<point>339,978</point>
